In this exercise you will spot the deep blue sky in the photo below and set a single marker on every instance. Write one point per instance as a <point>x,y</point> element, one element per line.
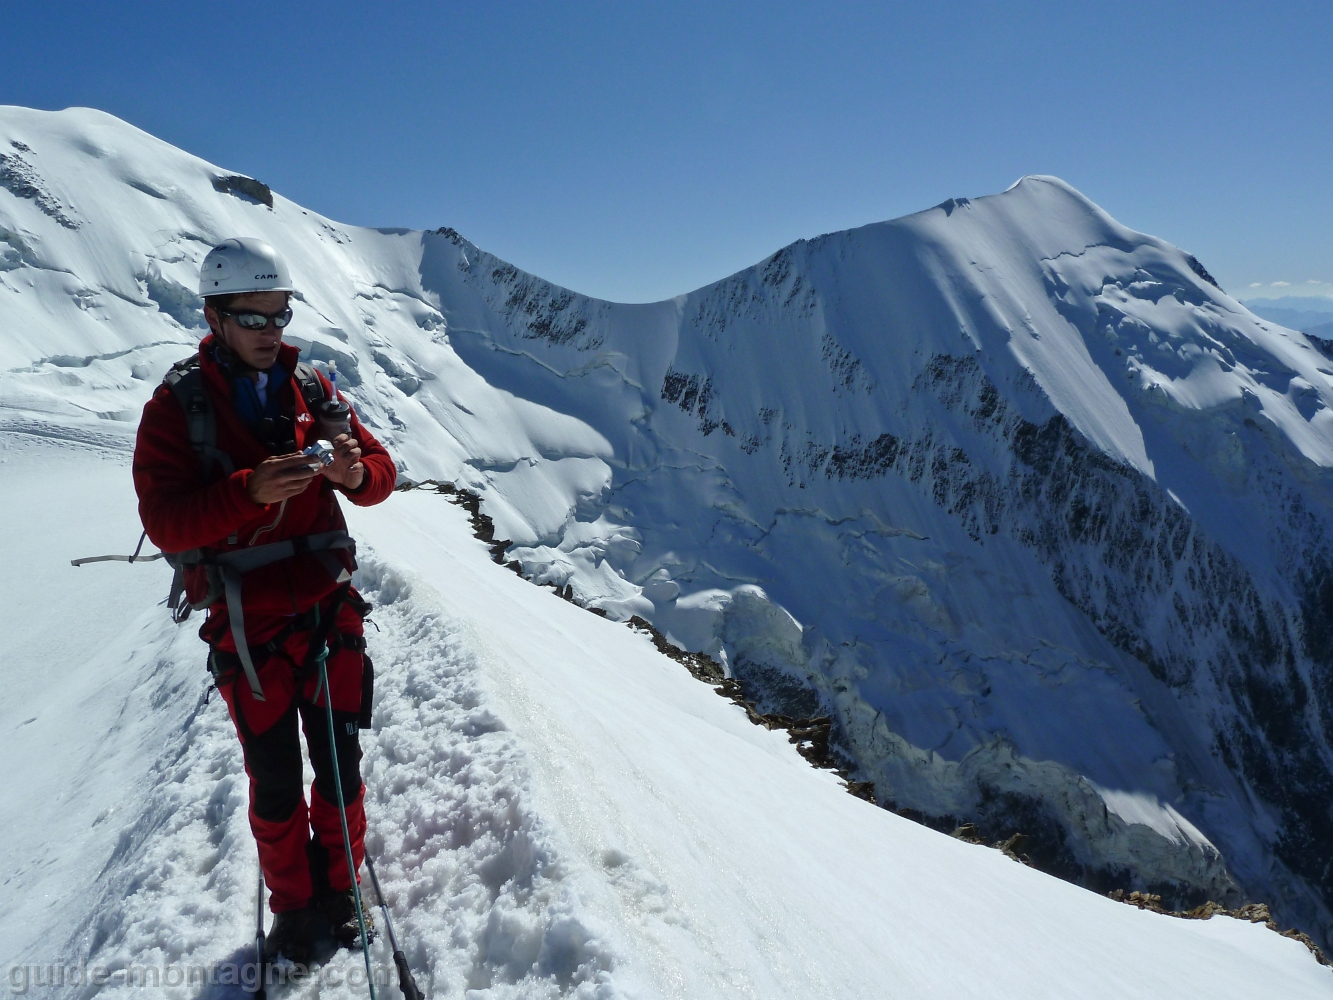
<point>638,150</point>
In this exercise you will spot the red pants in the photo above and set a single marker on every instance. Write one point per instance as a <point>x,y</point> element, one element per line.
<point>296,865</point>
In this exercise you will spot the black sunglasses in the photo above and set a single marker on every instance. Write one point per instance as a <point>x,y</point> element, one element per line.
<point>251,320</point>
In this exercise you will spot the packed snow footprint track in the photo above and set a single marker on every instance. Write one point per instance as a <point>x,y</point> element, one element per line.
<point>473,880</point>
<point>465,860</point>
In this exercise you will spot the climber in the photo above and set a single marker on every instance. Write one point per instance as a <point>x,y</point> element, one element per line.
<point>237,482</point>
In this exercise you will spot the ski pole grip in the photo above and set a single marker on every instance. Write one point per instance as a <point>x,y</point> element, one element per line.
<point>405,981</point>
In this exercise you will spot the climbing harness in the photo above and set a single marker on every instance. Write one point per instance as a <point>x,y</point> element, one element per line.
<point>228,568</point>
<point>225,570</point>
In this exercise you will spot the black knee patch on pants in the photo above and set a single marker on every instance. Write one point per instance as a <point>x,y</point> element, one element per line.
<point>273,759</point>
<point>345,728</point>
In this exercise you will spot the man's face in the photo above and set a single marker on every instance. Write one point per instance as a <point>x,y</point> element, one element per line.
<point>256,348</point>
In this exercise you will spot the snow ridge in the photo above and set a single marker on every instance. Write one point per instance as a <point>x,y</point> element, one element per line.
<point>1032,508</point>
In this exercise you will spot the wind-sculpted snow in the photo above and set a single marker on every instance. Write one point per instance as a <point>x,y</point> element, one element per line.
<point>1036,511</point>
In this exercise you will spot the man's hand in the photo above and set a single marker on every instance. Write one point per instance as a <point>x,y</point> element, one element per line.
<point>346,469</point>
<point>281,477</point>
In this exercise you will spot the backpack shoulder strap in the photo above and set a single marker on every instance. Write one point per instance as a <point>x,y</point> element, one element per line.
<point>185,379</point>
<point>186,382</point>
<point>312,389</point>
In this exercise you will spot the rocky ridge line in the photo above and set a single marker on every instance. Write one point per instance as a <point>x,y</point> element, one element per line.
<point>1255,913</point>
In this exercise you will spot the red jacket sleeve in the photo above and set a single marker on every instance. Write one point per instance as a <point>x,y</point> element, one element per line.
<point>177,510</point>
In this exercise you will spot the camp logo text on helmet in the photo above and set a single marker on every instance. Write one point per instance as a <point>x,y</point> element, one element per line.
<point>224,269</point>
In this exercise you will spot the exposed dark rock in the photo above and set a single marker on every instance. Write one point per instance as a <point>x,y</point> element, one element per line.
<point>855,460</point>
<point>449,233</point>
<point>702,667</point>
<point>848,371</point>
<point>969,833</point>
<point>483,527</point>
<point>244,188</point>
<point>1202,271</point>
<point>1013,847</point>
<point>1255,913</point>
<point>693,394</point>
<point>540,309</point>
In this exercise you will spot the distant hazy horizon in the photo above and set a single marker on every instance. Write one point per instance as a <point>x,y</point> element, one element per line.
<point>1309,295</point>
<point>1299,303</point>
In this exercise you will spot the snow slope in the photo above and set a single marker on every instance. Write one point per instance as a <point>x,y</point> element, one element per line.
<point>559,811</point>
<point>1066,503</point>
<point>1034,510</point>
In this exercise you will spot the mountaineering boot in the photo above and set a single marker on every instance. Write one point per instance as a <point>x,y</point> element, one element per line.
<point>293,936</point>
<point>339,908</point>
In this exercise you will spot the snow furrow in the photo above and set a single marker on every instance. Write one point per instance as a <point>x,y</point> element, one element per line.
<point>473,880</point>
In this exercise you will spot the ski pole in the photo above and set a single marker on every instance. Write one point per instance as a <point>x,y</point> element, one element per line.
<point>260,992</point>
<point>405,981</point>
<point>323,658</point>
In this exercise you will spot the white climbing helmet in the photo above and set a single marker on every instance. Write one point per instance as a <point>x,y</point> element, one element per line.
<point>240,265</point>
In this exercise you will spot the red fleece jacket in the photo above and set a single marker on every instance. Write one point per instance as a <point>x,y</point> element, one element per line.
<point>181,511</point>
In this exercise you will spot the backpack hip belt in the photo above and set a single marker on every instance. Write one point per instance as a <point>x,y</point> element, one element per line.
<point>227,569</point>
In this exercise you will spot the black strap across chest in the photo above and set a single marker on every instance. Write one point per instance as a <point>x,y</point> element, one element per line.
<point>186,382</point>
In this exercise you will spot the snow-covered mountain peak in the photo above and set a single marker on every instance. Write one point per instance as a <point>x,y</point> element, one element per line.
<point>1022,500</point>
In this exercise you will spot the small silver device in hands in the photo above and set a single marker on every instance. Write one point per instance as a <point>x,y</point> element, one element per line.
<point>321,450</point>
